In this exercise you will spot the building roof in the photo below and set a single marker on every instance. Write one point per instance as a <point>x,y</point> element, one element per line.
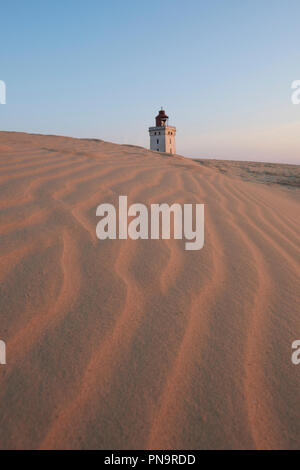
<point>161,117</point>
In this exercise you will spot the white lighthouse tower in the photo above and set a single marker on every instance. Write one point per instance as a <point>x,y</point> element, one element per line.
<point>162,136</point>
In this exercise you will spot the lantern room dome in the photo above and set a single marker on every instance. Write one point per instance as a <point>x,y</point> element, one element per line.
<point>161,118</point>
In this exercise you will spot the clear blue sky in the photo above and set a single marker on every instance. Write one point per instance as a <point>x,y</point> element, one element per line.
<point>222,69</point>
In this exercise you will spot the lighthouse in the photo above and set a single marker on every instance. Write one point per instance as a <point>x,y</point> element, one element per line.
<point>162,136</point>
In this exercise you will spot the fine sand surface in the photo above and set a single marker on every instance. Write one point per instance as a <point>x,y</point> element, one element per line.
<point>123,344</point>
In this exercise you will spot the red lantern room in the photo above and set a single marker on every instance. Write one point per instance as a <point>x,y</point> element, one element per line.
<point>161,118</point>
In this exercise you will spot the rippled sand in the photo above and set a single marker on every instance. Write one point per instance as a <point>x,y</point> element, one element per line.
<point>123,344</point>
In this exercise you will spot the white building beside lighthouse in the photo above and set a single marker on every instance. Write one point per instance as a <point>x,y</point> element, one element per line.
<point>162,136</point>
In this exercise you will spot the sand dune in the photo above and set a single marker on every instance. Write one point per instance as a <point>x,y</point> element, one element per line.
<point>123,344</point>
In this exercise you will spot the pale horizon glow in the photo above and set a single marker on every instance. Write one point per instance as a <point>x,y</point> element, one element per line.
<point>222,71</point>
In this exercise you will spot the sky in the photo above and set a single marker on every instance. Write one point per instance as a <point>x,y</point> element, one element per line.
<point>222,70</point>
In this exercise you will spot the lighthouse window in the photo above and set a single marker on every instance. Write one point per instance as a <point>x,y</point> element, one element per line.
<point>157,141</point>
